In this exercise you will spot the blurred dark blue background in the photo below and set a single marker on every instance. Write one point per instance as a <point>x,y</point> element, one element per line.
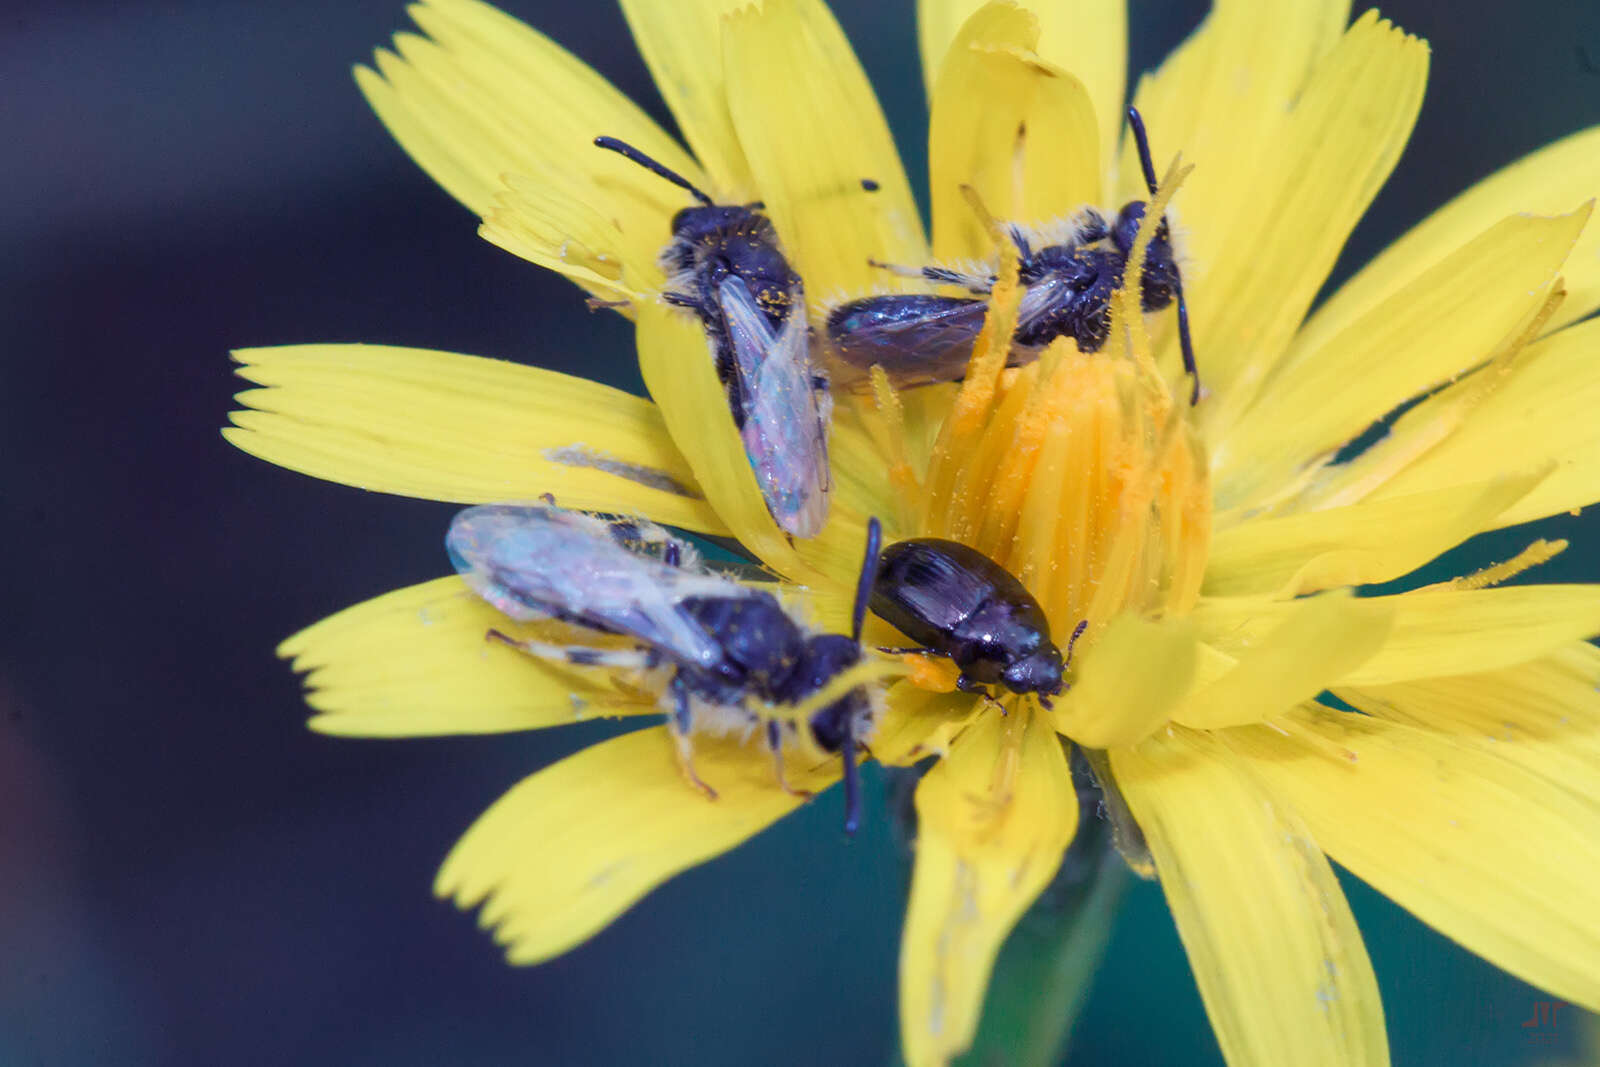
<point>187,876</point>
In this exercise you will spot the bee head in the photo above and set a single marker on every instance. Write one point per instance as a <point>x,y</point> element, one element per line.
<point>1159,280</point>
<point>717,223</point>
<point>826,656</point>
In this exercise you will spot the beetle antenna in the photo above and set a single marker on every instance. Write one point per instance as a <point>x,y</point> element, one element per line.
<point>627,151</point>
<point>1141,141</point>
<point>869,574</point>
<point>1072,642</point>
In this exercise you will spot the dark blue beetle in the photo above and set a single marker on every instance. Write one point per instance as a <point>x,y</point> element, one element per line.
<point>726,643</point>
<point>1067,288</point>
<point>955,601</point>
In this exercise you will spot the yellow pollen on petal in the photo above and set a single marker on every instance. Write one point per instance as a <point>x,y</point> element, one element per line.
<point>1540,551</point>
<point>931,673</point>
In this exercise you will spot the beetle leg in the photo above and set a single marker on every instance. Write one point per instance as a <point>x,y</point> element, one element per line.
<point>915,650</point>
<point>967,685</point>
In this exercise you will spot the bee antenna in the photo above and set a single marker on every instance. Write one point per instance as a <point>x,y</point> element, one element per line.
<point>1188,347</point>
<point>869,574</point>
<point>1141,140</point>
<point>852,780</point>
<point>627,151</point>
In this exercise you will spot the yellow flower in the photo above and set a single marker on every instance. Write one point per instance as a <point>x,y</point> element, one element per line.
<point>1190,539</point>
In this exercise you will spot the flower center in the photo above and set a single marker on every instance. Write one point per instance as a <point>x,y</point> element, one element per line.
<point>1084,475</point>
<point>1088,482</point>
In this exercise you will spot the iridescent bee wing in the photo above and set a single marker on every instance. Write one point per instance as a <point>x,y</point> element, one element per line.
<point>1042,301</point>
<point>786,408</point>
<point>544,562</point>
<point>917,338</point>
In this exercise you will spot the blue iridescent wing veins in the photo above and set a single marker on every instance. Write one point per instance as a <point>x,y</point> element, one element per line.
<point>534,562</point>
<point>786,407</point>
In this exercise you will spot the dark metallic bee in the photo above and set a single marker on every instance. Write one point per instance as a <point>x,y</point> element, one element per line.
<point>920,338</point>
<point>957,602</point>
<point>723,264</point>
<point>724,643</point>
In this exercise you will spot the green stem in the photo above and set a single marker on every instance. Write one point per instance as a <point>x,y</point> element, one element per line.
<point>1046,969</point>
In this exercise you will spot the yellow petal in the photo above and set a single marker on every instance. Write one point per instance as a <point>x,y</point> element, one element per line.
<point>1259,249</point>
<point>427,139</point>
<point>1274,949</point>
<point>1450,318</point>
<point>1477,847</point>
<point>1220,98</point>
<point>1087,38</point>
<point>862,479</point>
<point>544,223</point>
<point>1321,640</point>
<point>1541,410</point>
<point>460,428</point>
<point>993,821</point>
<point>1365,543</point>
<point>918,723</point>
<point>812,130</point>
<point>1543,715</point>
<point>682,45</point>
<point>1436,632</point>
<point>415,662</point>
<point>1132,678</point>
<point>572,847</point>
<point>994,89</point>
<point>1554,179</point>
<point>489,96</point>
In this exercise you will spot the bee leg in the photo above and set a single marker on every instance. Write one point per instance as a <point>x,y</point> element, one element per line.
<point>775,746</point>
<point>680,721</point>
<point>595,303</point>
<point>625,659</point>
<point>681,300</point>
<point>973,283</point>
